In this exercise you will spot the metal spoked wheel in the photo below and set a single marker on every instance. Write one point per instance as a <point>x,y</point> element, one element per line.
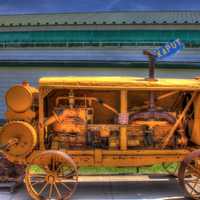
<point>189,175</point>
<point>51,175</point>
<point>171,168</point>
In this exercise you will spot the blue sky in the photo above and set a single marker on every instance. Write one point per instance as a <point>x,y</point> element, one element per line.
<point>53,6</point>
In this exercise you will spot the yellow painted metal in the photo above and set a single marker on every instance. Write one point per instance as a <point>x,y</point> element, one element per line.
<point>122,156</point>
<point>109,99</point>
<point>196,127</point>
<point>41,127</point>
<point>19,98</point>
<point>97,157</point>
<point>120,83</point>
<point>27,116</point>
<point>123,129</point>
<point>26,137</point>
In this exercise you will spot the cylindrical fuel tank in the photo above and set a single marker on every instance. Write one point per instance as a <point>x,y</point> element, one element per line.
<point>26,137</point>
<point>19,98</point>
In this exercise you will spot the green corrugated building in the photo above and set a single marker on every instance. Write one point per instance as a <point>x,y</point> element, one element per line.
<point>136,28</point>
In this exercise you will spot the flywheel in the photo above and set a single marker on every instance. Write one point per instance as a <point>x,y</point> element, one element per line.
<point>25,137</point>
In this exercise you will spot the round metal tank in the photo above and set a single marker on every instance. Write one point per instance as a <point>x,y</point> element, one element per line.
<point>19,98</point>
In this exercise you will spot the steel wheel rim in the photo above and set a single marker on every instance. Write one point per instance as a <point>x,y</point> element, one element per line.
<point>56,180</point>
<point>189,175</point>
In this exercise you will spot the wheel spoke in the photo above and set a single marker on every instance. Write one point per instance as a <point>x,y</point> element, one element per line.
<point>67,176</point>
<point>57,191</point>
<point>37,175</point>
<point>71,174</point>
<point>191,187</point>
<point>192,181</point>
<point>194,170</point>
<point>66,186</point>
<point>53,163</point>
<point>35,183</point>
<point>194,186</point>
<point>50,190</point>
<point>43,188</point>
<point>63,168</point>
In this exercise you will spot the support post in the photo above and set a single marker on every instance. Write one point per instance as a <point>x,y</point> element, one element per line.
<point>123,128</point>
<point>195,137</point>
<point>152,65</point>
<point>41,120</point>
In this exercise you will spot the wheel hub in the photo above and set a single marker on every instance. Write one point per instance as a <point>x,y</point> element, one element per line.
<point>51,179</point>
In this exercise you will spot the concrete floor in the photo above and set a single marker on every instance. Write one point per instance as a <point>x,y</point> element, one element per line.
<point>119,188</point>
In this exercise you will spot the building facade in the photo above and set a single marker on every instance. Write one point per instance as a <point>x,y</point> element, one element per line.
<point>138,28</point>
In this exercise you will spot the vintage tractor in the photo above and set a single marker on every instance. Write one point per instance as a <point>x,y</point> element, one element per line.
<point>70,122</point>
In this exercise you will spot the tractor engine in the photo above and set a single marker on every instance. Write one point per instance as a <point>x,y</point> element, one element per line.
<point>68,127</point>
<point>152,133</point>
<point>68,123</point>
<point>72,125</point>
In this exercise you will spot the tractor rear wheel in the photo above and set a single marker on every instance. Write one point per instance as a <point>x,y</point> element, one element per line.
<point>189,175</point>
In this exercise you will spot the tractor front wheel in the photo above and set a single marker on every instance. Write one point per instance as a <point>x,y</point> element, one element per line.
<point>51,175</point>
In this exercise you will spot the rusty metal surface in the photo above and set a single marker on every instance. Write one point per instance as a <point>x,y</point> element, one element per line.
<point>57,168</point>
<point>190,190</point>
<point>60,134</point>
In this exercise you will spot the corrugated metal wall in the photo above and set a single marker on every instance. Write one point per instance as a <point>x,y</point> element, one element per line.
<point>115,36</point>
